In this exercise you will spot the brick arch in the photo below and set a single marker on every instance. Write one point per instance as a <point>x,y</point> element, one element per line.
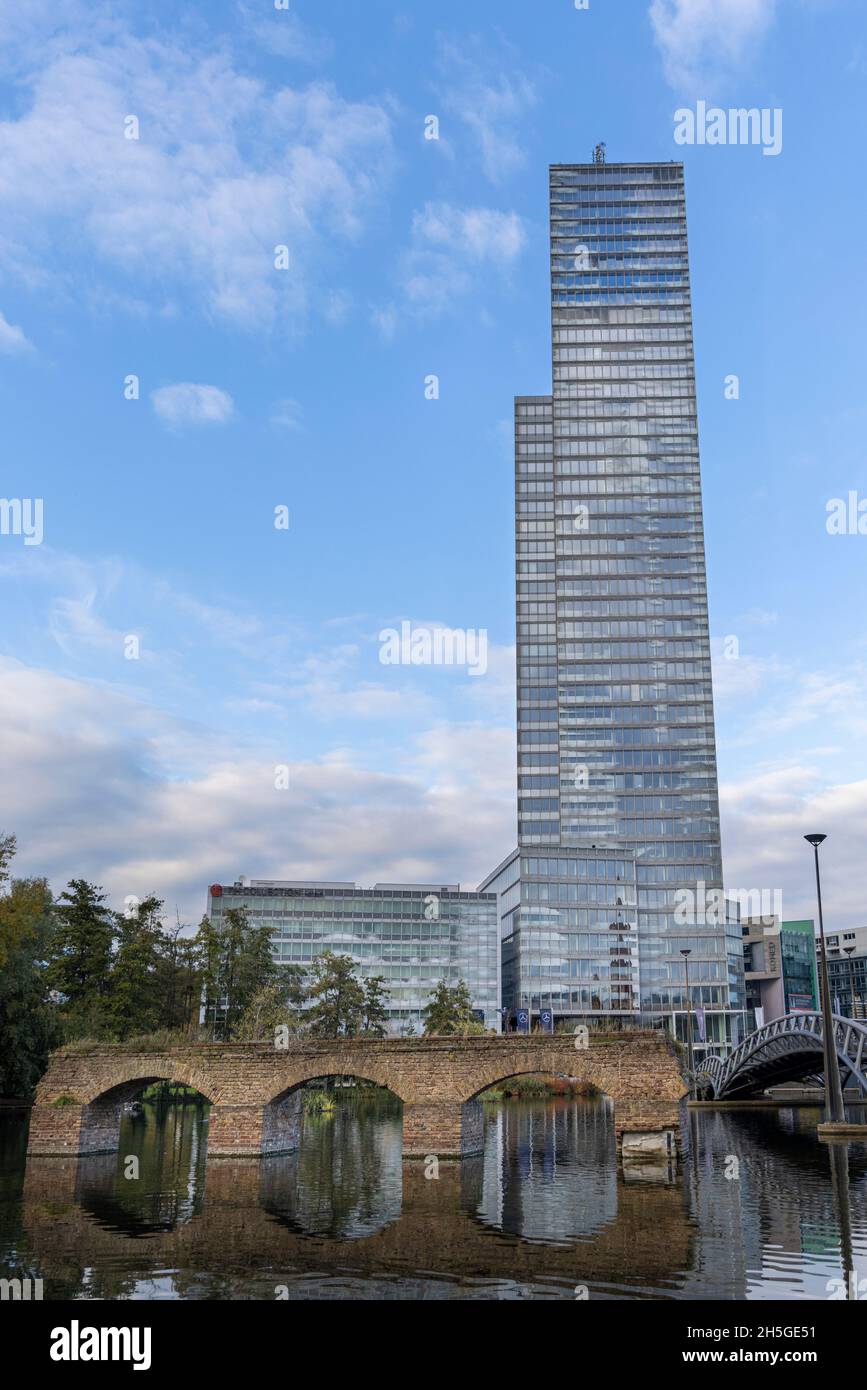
<point>582,1066</point>
<point>286,1085</point>
<point>128,1077</point>
<point>501,1076</point>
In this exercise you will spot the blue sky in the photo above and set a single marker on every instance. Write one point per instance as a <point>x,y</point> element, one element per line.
<point>304,387</point>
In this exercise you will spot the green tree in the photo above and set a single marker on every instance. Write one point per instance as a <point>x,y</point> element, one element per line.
<point>248,963</point>
<point>179,981</point>
<point>374,1007</point>
<point>80,958</point>
<point>7,853</point>
<point>337,997</point>
<point>29,1022</point>
<point>274,1005</point>
<point>133,1004</point>
<point>236,961</point>
<point>206,946</point>
<point>450,1011</point>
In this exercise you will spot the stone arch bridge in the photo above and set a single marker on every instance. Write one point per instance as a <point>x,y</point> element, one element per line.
<point>253,1087</point>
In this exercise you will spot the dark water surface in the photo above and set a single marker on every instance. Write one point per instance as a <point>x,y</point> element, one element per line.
<point>752,1212</point>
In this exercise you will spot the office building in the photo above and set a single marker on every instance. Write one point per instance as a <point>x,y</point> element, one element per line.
<point>847,971</point>
<point>414,935</point>
<point>618,820</point>
<point>779,968</point>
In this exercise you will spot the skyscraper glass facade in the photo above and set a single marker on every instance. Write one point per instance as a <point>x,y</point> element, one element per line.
<point>617,784</point>
<point>414,935</point>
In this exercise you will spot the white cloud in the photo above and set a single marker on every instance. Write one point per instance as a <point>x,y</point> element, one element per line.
<point>448,246</point>
<point>225,169</point>
<point>385,320</point>
<point>12,338</point>
<point>758,617</point>
<point>189,404</point>
<point>478,233</point>
<point>701,39</point>
<point>337,307</point>
<point>102,786</point>
<point>282,32</point>
<point>765,817</point>
<point>287,415</point>
<point>480,90</point>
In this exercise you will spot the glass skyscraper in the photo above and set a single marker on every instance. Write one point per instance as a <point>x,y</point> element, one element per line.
<point>617,782</point>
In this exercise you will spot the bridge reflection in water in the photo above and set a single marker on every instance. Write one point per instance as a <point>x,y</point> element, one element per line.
<point>541,1212</point>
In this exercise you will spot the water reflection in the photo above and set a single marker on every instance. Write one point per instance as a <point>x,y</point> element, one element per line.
<point>155,1182</point>
<point>549,1170</point>
<point>345,1180</point>
<point>753,1212</point>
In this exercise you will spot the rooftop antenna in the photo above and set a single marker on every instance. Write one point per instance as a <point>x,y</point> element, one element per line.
<point>599,153</point>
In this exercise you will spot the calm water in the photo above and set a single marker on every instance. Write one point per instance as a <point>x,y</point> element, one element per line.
<point>540,1214</point>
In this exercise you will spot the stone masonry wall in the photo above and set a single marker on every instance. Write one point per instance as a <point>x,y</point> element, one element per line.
<point>248,1085</point>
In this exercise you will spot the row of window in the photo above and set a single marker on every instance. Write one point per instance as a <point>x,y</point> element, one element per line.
<point>696,714</point>
<point>631,489</point>
<point>602,650</point>
<point>594,385</point>
<point>693,607</point>
<point>589,194</point>
<point>613,175</point>
<point>645,211</point>
<point>575,742</point>
<point>612,296</point>
<point>629,758</point>
<point>473,931</point>
<point>693,627</point>
<point>644,333</point>
<point>658,932</point>
<point>650,566</point>
<point>601,247</point>
<point>623,670</point>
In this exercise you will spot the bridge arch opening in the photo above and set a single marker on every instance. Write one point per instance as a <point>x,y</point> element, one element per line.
<point>531,1084</point>
<point>131,1103</point>
<point>342,1177</point>
<point>323,1098</point>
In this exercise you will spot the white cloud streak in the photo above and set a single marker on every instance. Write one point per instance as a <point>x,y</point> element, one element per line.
<point>701,40</point>
<point>12,338</point>
<point>189,404</point>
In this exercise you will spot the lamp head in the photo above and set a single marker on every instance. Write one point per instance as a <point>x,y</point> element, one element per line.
<point>815,840</point>
<point>686,953</point>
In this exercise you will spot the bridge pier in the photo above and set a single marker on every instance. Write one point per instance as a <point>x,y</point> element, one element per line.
<point>247,1131</point>
<point>648,1129</point>
<point>447,1129</point>
<point>72,1128</point>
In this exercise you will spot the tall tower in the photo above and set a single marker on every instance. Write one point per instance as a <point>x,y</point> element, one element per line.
<point>618,808</point>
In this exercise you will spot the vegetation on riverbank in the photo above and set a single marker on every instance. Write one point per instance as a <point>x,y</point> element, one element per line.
<point>537,1087</point>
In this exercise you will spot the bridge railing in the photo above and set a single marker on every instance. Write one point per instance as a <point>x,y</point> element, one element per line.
<point>850,1042</point>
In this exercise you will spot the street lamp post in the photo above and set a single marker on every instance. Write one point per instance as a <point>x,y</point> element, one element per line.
<point>849,951</point>
<point>834,1112</point>
<point>686,954</point>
